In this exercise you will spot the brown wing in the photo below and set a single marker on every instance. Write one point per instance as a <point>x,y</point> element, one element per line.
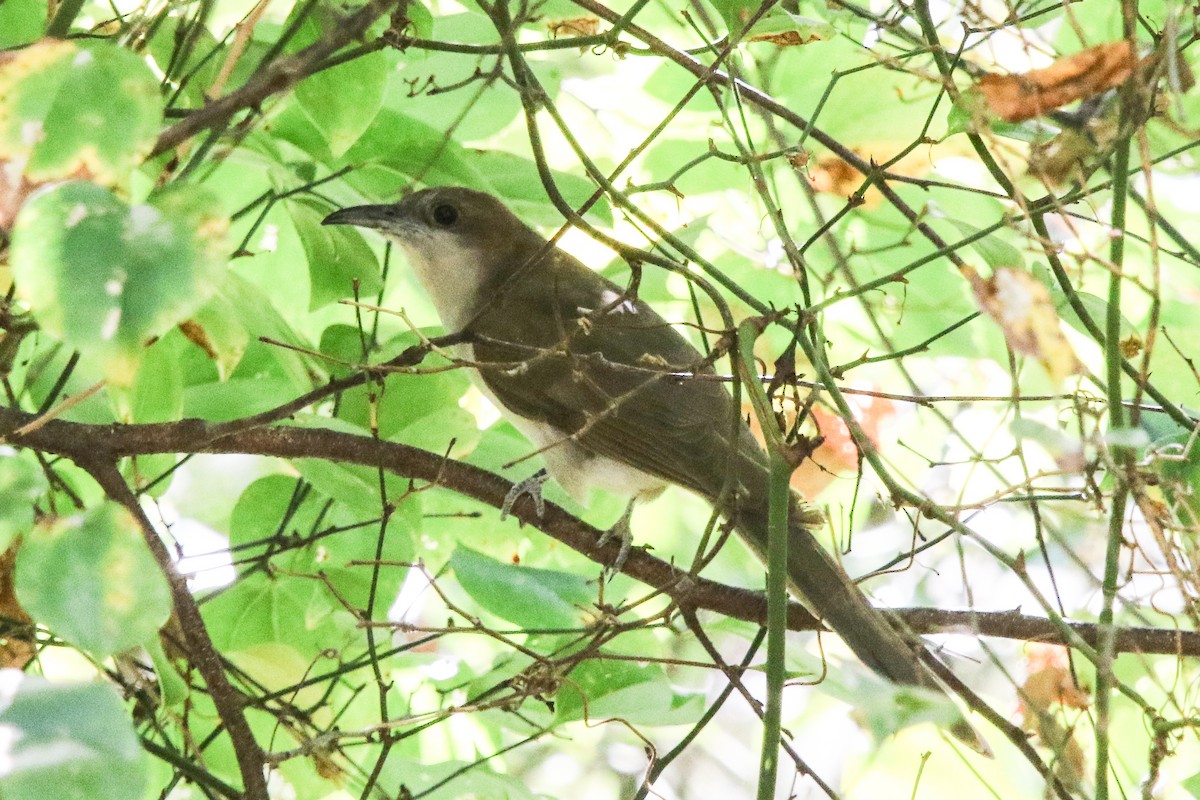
<point>605,376</point>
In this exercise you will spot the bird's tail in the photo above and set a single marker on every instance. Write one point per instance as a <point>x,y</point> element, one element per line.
<point>824,588</point>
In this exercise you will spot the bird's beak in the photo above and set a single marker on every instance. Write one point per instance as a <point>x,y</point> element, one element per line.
<point>362,216</point>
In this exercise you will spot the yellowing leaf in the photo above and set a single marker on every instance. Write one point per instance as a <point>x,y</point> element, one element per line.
<point>70,110</point>
<point>91,580</point>
<point>574,26</point>
<point>1023,309</point>
<point>106,277</point>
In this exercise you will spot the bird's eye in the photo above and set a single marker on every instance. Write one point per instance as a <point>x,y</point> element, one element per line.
<point>445,214</point>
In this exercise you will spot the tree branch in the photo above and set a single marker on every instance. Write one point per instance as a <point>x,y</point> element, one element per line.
<point>279,76</point>
<point>79,442</point>
<point>201,651</point>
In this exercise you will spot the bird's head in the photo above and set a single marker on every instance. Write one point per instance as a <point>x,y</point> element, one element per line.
<point>458,240</point>
<point>433,221</point>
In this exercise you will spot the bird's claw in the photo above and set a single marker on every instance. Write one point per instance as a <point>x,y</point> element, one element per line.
<point>621,530</point>
<point>531,486</point>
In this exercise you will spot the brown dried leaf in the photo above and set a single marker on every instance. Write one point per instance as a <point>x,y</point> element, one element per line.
<point>16,639</point>
<point>834,176</point>
<point>1049,683</point>
<point>1025,95</point>
<point>194,332</point>
<point>837,453</point>
<point>831,174</point>
<point>1049,680</point>
<point>788,38</point>
<point>575,26</point>
<point>798,159</point>
<point>1023,309</point>
<point>1131,346</point>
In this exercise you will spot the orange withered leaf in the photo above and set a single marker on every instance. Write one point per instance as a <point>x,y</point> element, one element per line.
<point>1025,95</point>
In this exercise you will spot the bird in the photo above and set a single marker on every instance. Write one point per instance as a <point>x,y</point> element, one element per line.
<point>589,373</point>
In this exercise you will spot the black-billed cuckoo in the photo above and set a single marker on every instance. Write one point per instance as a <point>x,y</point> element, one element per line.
<point>580,368</point>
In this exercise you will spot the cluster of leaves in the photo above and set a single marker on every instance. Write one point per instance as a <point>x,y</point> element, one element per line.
<point>950,232</point>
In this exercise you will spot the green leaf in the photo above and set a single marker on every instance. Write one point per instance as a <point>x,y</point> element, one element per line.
<point>279,506</point>
<point>106,278</point>
<point>668,84</point>
<point>21,484</point>
<point>258,609</point>
<point>67,741</point>
<point>944,299</point>
<point>252,307</point>
<point>453,780</point>
<point>157,392</point>
<point>994,251</point>
<point>449,430</point>
<point>343,101</point>
<point>343,344</point>
<point>217,329</point>
<point>355,486</point>
<point>262,610</point>
<point>960,118</point>
<point>639,694</point>
<point>420,21</point>
<point>91,580</point>
<point>531,598</point>
<point>397,148</point>
<point>237,397</point>
<point>783,28</point>
<point>173,688</point>
<point>338,256</point>
<point>200,69</point>
<point>21,21</point>
<point>1177,461</point>
<point>883,707</point>
<point>1096,307</point>
<point>666,157</point>
<point>971,112</point>
<point>420,410</point>
<point>1191,785</point>
<point>736,13</point>
<point>1136,438</point>
<point>477,116</point>
<point>267,508</point>
<point>156,396</point>
<point>71,109</point>
<point>515,180</point>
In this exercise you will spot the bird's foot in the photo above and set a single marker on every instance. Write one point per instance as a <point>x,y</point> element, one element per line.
<point>531,486</point>
<point>620,530</point>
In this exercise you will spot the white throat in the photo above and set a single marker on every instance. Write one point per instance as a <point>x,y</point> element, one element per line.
<point>449,273</point>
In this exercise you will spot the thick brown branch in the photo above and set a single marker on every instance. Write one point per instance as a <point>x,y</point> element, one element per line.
<point>201,651</point>
<point>77,442</point>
